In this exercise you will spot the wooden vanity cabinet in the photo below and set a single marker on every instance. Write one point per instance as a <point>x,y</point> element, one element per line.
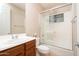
<point>30,48</point>
<point>15,51</point>
<point>26,49</point>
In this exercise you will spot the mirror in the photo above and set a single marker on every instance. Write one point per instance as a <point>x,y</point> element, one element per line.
<point>12,17</point>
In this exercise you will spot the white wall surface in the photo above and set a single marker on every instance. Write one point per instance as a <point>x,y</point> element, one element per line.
<point>77,21</point>
<point>32,18</point>
<point>77,41</point>
<point>4,19</point>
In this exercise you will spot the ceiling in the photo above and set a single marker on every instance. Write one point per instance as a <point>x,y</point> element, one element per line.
<point>50,5</point>
<point>44,5</point>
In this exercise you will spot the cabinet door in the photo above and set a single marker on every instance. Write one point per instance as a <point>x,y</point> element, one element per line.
<point>30,49</point>
<point>31,52</point>
<point>15,51</point>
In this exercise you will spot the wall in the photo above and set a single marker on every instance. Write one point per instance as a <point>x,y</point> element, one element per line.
<point>4,19</point>
<point>32,18</point>
<point>77,41</point>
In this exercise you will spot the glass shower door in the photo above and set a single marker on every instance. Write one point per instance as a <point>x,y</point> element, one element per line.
<point>56,29</point>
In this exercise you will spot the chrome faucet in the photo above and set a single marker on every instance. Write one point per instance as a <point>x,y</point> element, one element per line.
<point>14,36</point>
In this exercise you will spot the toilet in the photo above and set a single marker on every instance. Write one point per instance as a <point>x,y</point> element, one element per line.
<point>42,50</point>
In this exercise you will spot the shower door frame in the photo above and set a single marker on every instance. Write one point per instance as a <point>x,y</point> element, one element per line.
<point>73,22</point>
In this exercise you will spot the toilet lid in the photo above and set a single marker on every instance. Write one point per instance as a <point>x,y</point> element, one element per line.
<point>43,47</point>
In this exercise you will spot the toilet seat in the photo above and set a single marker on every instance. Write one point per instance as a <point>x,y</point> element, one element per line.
<point>43,49</point>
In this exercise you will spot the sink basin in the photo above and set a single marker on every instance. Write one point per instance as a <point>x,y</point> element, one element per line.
<point>10,43</point>
<point>16,40</point>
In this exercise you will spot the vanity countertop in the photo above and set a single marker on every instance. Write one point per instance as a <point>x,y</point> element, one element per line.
<point>14,42</point>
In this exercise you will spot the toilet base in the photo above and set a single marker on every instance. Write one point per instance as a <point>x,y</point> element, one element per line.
<point>42,54</point>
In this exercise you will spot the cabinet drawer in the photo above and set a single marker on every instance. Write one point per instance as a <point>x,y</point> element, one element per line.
<point>30,44</point>
<point>15,51</point>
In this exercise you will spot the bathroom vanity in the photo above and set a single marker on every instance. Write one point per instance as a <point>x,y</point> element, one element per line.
<point>27,48</point>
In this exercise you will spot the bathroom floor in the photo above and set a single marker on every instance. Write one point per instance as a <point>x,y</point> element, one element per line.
<point>37,54</point>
